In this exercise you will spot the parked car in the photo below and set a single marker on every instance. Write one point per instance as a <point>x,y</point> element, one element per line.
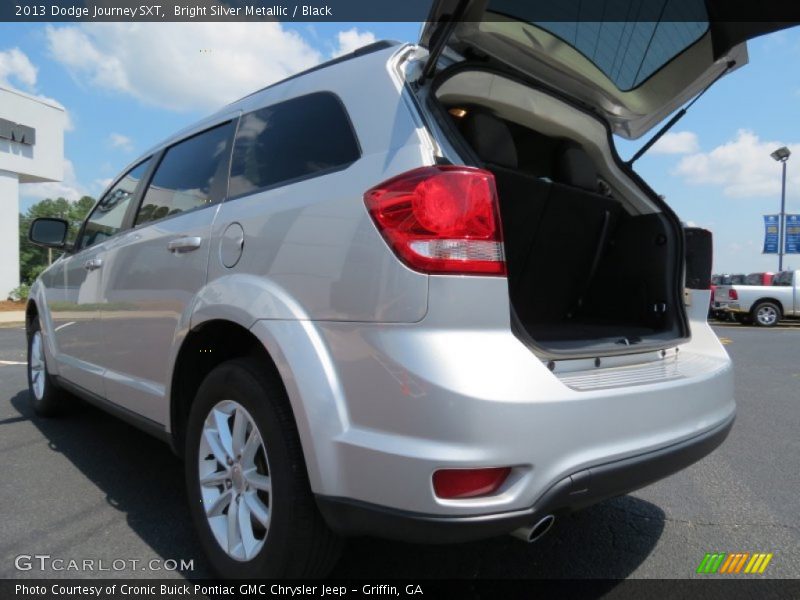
<point>412,294</point>
<point>764,305</point>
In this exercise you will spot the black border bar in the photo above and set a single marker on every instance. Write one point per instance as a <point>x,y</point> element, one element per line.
<point>762,11</point>
<point>707,588</point>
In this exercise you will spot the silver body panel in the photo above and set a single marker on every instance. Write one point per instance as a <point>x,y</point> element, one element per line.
<point>391,373</point>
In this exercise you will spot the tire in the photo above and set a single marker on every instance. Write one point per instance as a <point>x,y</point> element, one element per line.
<point>278,531</point>
<point>47,399</point>
<point>766,314</point>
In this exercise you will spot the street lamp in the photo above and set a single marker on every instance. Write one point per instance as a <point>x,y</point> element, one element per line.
<point>782,155</point>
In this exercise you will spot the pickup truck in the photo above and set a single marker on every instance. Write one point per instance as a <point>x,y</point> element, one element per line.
<point>763,305</point>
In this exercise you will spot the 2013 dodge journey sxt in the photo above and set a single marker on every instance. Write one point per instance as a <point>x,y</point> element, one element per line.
<point>412,293</point>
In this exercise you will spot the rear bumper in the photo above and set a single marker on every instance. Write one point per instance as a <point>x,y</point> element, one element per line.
<point>579,490</point>
<point>380,408</point>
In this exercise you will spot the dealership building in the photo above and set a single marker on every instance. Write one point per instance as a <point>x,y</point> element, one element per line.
<point>31,151</point>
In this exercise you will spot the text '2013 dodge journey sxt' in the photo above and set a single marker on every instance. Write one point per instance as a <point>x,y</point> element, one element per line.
<point>412,293</point>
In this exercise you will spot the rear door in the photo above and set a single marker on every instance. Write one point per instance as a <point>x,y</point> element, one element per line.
<point>154,270</point>
<point>74,286</point>
<point>634,62</point>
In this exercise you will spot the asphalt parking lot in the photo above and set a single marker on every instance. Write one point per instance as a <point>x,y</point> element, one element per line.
<point>88,486</point>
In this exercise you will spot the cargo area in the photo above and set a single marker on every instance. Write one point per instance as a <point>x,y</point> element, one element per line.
<point>591,260</point>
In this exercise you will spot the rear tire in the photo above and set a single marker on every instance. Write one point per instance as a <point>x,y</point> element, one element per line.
<point>766,314</point>
<point>47,399</point>
<point>241,435</point>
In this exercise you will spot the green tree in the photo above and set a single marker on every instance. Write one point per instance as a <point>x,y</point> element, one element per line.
<point>33,259</point>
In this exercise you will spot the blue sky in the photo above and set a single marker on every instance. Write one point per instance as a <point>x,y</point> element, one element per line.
<point>126,86</point>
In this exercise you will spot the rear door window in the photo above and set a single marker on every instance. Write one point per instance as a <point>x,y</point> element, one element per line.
<point>303,137</point>
<point>190,175</point>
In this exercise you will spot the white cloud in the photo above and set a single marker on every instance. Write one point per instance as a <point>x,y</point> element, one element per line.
<point>68,188</point>
<point>352,39</point>
<point>742,167</point>
<point>123,142</point>
<point>15,64</point>
<point>679,142</point>
<point>181,65</point>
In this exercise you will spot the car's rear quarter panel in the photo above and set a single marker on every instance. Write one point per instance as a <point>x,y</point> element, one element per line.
<point>311,250</point>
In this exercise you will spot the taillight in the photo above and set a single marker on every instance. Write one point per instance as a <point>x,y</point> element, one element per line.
<point>733,294</point>
<point>468,483</point>
<point>441,219</point>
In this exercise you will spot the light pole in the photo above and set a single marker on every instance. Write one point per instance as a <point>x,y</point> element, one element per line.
<point>782,155</point>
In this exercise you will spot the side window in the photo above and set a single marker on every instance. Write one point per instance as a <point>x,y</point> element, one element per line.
<point>107,217</point>
<point>186,174</point>
<point>290,140</point>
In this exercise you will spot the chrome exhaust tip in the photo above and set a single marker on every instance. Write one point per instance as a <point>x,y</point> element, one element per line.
<point>535,532</point>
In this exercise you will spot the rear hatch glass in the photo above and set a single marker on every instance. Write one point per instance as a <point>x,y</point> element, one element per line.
<point>626,52</point>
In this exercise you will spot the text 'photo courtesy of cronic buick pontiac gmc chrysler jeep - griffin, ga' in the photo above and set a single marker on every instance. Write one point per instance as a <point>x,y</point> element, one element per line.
<point>412,293</point>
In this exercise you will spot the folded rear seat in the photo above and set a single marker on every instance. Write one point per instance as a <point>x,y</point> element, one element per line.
<point>522,196</point>
<point>554,232</point>
<point>572,235</point>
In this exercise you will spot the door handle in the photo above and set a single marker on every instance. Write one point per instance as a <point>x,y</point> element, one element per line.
<point>184,244</point>
<point>91,265</point>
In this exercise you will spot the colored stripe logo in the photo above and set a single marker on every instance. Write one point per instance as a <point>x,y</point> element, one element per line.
<point>734,562</point>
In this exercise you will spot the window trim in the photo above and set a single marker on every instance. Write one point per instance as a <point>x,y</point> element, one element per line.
<point>219,189</point>
<point>125,225</point>
<point>299,178</point>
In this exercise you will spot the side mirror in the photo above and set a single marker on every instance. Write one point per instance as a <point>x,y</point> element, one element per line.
<point>49,232</point>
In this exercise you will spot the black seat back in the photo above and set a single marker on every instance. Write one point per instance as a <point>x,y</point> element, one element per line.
<point>554,233</point>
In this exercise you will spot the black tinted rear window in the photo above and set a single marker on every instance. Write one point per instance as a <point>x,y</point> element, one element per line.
<point>627,52</point>
<point>295,139</point>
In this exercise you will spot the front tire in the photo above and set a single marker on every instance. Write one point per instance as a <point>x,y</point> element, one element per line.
<point>767,314</point>
<point>247,482</point>
<point>47,399</point>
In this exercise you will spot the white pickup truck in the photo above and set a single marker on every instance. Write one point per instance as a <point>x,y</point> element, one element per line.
<point>763,305</point>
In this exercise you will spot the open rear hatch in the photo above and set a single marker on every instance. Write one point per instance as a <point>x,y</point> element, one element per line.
<point>595,258</point>
<point>632,61</point>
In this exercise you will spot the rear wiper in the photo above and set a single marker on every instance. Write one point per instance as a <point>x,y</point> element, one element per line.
<point>678,115</point>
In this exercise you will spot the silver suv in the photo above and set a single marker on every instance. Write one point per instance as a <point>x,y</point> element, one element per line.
<point>412,293</point>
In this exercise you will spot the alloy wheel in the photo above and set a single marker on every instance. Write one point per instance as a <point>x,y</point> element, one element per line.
<point>234,480</point>
<point>767,315</point>
<point>37,366</point>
